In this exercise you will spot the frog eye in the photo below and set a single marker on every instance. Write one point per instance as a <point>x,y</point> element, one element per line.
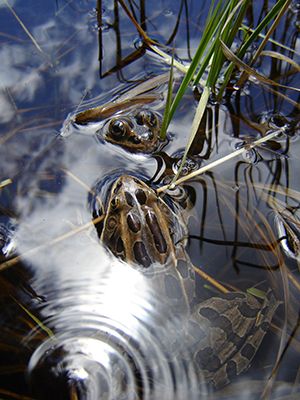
<point>136,140</point>
<point>118,128</point>
<point>278,121</point>
<point>147,117</point>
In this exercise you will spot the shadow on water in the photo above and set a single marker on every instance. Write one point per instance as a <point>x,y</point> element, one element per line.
<point>75,321</point>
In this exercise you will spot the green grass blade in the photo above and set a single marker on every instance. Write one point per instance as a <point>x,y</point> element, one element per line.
<point>47,330</point>
<point>221,161</point>
<point>195,125</point>
<point>208,35</point>
<point>264,23</point>
<point>252,37</point>
<point>164,126</point>
<point>266,39</point>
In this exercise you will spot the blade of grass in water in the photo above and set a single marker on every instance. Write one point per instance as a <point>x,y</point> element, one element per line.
<point>168,59</point>
<point>282,57</point>
<point>5,183</point>
<point>265,40</point>
<point>24,27</point>
<point>271,40</point>
<point>35,319</point>
<point>208,37</point>
<point>250,71</point>
<point>135,23</point>
<point>224,31</point>
<point>195,125</point>
<point>163,132</point>
<point>220,161</point>
<point>250,40</point>
<point>208,50</point>
<point>257,293</point>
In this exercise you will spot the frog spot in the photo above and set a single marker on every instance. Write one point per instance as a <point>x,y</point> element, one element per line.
<point>120,245</point>
<point>207,360</point>
<point>115,202</point>
<point>111,223</point>
<point>231,369</point>
<point>141,196</point>
<point>208,313</point>
<point>129,199</point>
<point>265,326</point>
<point>133,223</point>
<point>248,351</point>
<point>247,311</point>
<point>224,323</point>
<point>141,255</point>
<point>159,240</point>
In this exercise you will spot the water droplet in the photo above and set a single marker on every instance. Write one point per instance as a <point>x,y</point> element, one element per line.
<point>138,43</point>
<point>250,156</point>
<point>236,87</point>
<point>238,145</point>
<point>168,12</point>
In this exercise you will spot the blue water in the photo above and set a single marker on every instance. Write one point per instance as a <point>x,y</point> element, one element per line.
<point>68,284</point>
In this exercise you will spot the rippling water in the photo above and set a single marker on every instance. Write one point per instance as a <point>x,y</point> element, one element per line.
<point>113,336</point>
<point>77,323</point>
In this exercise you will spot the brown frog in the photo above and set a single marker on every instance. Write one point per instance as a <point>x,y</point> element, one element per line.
<point>141,229</point>
<point>136,131</point>
<point>223,332</point>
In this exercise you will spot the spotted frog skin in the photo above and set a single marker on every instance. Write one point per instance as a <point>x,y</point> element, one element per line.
<point>223,332</point>
<point>141,229</point>
<point>137,131</point>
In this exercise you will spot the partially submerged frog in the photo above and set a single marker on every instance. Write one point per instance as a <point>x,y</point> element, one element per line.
<point>141,229</point>
<point>136,131</point>
<point>223,332</point>
<point>128,120</point>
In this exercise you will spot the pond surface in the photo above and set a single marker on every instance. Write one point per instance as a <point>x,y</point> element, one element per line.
<point>75,321</point>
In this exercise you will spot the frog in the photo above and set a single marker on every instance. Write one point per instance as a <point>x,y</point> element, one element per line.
<point>224,332</point>
<point>136,131</point>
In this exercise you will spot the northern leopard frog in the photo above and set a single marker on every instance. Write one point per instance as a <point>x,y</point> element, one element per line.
<point>141,229</point>
<point>136,131</point>
<point>224,332</point>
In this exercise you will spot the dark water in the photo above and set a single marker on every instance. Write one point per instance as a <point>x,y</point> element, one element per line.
<point>66,305</point>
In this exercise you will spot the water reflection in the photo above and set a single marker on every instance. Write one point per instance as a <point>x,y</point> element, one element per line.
<point>92,309</point>
<point>112,334</point>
